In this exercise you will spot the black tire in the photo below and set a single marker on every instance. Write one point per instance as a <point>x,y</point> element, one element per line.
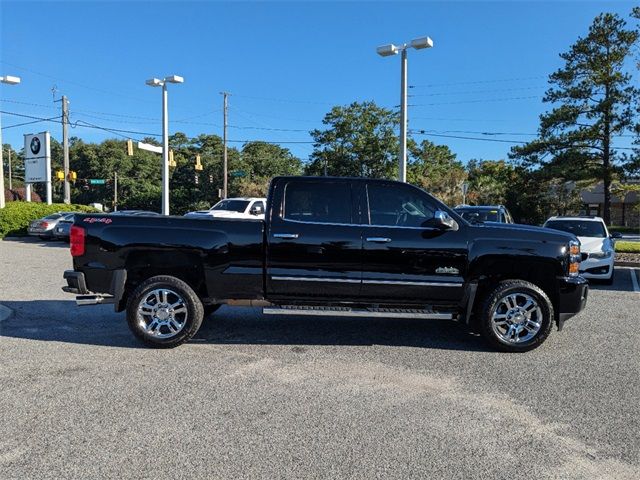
<point>164,338</point>
<point>210,309</point>
<point>496,301</point>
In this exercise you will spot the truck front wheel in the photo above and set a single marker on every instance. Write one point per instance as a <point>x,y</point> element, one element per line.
<point>164,312</point>
<point>517,316</point>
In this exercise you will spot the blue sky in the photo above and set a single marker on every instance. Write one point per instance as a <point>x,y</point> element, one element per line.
<point>285,65</point>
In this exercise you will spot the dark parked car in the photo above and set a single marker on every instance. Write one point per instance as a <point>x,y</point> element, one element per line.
<point>62,229</point>
<point>484,213</point>
<point>331,247</point>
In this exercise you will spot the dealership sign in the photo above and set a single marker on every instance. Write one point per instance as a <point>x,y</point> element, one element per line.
<point>37,157</point>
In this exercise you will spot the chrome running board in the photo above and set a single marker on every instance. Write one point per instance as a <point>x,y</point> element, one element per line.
<point>357,312</point>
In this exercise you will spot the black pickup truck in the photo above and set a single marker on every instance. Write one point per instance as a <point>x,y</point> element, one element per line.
<point>334,247</point>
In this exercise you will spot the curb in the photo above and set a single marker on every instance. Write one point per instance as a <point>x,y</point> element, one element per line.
<point>5,313</point>
<point>627,264</point>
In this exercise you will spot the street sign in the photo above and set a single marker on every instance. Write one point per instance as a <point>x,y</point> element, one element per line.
<point>149,147</point>
<point>238,173</point>
<point>97,181</point>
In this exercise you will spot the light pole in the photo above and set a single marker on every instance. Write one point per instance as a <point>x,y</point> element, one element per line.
<point>156,82</point>
<point>387,51</point>
<point>9,80</point>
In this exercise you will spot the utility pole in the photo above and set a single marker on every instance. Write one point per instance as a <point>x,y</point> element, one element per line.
<point>115,191</point>
<point>10,184</point>
<point>402,170</point>
<point>65,148</point>
<point>224,142</point>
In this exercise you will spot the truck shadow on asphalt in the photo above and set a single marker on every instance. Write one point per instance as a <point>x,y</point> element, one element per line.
<point>63,321</point>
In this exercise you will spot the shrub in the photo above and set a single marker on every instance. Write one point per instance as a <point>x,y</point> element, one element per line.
<point>15,216</point>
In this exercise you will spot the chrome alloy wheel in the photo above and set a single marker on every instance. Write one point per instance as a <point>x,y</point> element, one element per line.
<point>162,313</point>
<point>516,318</point>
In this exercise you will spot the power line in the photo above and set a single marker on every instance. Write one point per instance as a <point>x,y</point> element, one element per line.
<point>61,80</point>
<point>424,132</point>
<point>479,82</point>
<point>31,122</point>
<point>439,94</point>
<point>283,100</point>
<point>486,100</point>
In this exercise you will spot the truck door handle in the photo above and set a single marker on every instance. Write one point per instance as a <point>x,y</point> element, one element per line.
<point>285,235</point>
<point>378,239</point>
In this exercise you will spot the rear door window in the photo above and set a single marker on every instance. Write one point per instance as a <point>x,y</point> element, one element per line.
<point>318,202</point>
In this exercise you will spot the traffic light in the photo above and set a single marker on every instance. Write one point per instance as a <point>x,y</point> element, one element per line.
<point>172,162</point>
<point>130,147</point>
<point>198,164</point>
<point>195,179</point>
<point>60,175</point>
<point>210,178</point>
<point>72,176</point>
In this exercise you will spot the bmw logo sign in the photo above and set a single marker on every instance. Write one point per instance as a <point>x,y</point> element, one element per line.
<point>35,145</point>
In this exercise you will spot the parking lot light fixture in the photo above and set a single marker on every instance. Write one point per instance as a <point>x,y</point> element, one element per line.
<point>388,51</point>
<point>9,80</point>
<point>156,82</point>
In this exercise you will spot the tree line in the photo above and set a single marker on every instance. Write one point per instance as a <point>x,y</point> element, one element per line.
<point>593,102</point>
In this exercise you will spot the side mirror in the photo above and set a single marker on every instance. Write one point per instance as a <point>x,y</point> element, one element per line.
<point>256,210</point>
<point>442,221</point>
<point>615,235</point>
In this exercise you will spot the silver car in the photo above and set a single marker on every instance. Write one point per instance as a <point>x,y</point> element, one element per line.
<point>45,227</point>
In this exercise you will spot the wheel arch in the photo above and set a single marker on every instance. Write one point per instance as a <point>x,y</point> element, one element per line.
<point>141,265</point>
<point>488,271</point>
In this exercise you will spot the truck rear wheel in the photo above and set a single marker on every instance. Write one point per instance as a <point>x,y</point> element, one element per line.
<point>517,316</point>
<point>164,312</point>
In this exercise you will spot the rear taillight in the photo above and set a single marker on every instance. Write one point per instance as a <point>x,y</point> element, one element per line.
<point>76,240</point>
<point>44,224</point>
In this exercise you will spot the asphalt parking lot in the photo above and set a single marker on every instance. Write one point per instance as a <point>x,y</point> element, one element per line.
<point>269,397</point>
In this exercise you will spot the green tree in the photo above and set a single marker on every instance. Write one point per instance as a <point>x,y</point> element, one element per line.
<point>359,140</point>
<point>260,162</point>
<point>595,100</point>
<point>435,169</point>
<point>489,181</point>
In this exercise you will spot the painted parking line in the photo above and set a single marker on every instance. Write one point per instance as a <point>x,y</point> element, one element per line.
<point>634,280</point>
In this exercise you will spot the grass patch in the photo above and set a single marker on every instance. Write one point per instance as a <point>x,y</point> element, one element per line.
<point>627,247</point>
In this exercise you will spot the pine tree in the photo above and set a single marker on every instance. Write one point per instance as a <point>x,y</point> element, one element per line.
<point>594,101</point>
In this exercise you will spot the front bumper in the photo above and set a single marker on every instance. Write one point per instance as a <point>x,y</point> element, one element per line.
<point>572,298</point>
<point>597,268</point>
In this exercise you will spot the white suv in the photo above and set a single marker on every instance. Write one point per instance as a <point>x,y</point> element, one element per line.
<point>595,242</point>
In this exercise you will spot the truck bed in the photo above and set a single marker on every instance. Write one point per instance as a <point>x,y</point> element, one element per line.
<point>227,252</point>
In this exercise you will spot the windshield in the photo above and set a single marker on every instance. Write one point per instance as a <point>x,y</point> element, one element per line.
<point>580,228</point>
<point>231,205</point>
<point>479,215</point>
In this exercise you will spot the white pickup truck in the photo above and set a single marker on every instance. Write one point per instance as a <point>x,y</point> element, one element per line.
<point>234,208</point>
